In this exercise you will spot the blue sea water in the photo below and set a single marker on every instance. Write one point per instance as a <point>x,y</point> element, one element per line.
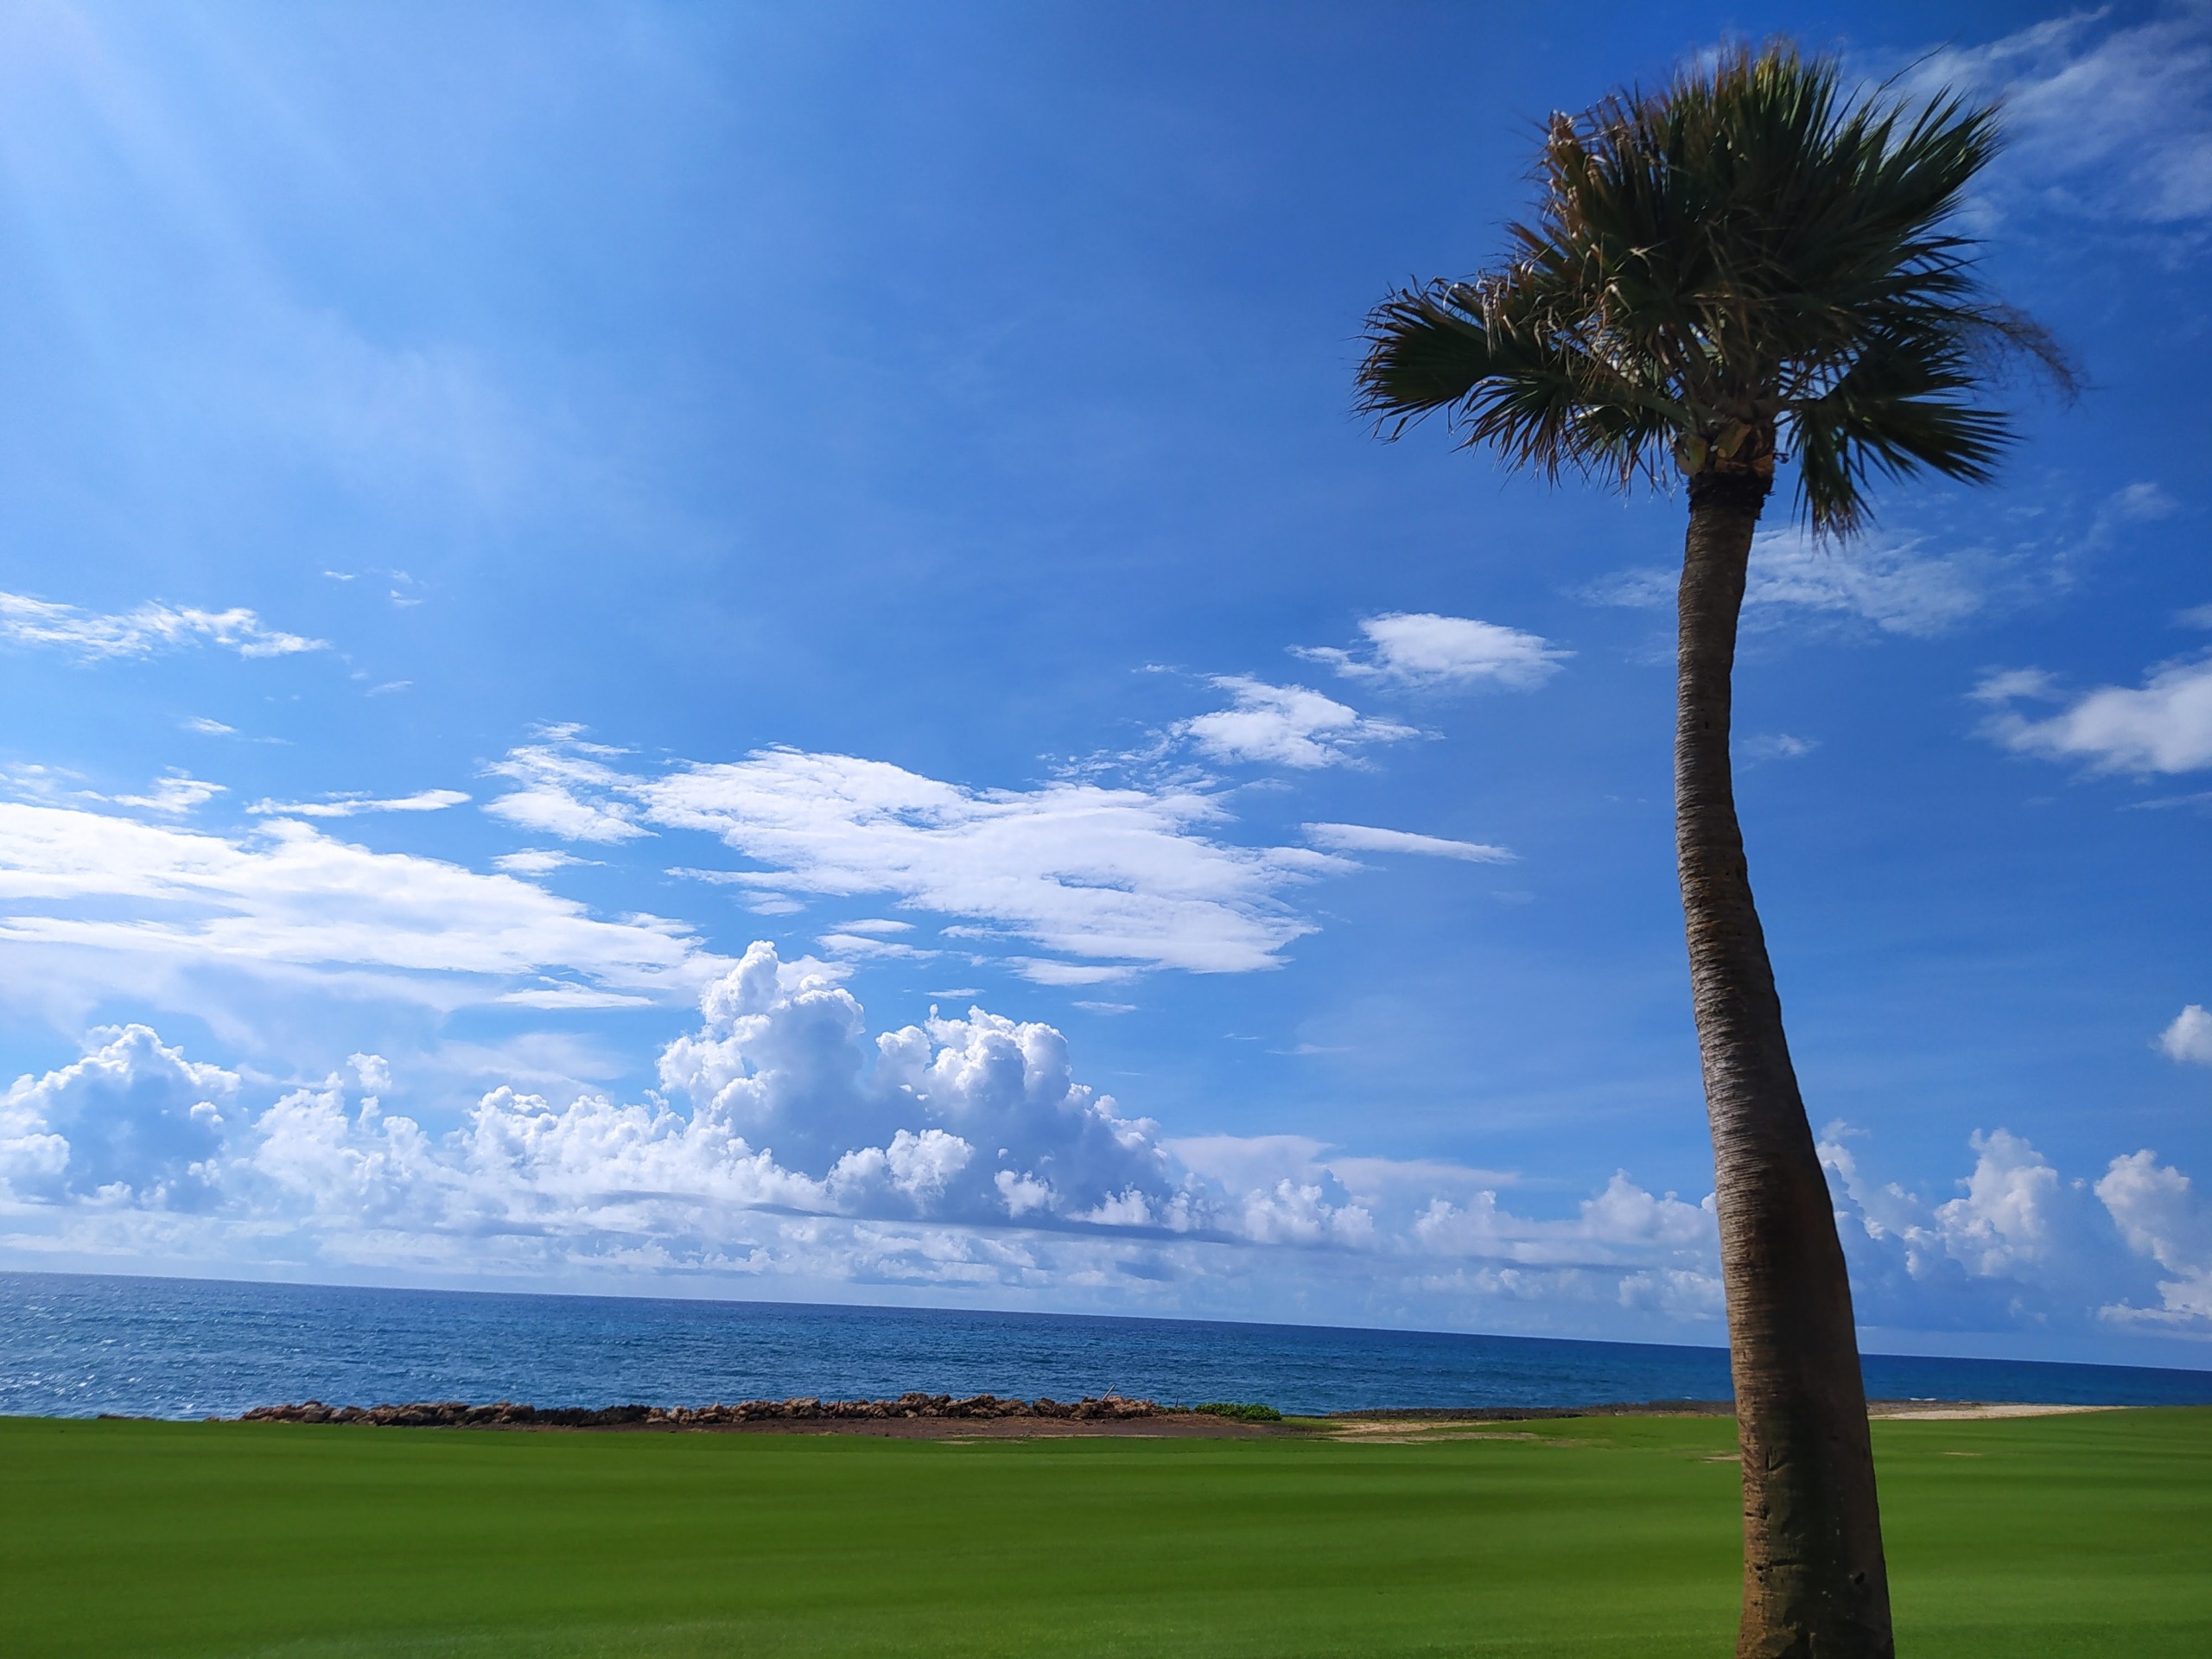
<point>77,1345</point>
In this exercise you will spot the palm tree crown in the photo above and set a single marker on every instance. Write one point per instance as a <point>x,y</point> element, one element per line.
<point>1750,259</point>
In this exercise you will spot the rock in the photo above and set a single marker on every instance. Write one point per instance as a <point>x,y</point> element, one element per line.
<point>505,1413</point>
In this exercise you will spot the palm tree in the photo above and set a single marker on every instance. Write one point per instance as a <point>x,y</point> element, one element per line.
<point>1751,261</point>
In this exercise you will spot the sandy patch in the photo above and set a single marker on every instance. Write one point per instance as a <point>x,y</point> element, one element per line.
<point>1906,1412</point>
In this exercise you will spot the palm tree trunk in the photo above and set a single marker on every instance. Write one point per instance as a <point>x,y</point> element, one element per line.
<point>1815,1585</point>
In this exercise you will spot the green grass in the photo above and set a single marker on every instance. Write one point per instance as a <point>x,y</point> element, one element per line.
<point>2052,1536</point>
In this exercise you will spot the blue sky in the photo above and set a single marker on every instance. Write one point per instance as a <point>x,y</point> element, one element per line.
<point>572,575</point>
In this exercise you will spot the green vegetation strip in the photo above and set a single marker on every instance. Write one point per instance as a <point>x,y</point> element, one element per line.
<point>2052,1536</point>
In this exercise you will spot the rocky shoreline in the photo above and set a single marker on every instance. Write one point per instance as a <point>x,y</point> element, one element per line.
<point>933,1416</point>
<point>912,1407</point>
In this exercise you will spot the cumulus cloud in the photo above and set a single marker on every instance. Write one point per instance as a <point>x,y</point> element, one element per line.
<point>1365,838</point>
<point>1421,648</point>
<point>1285,726</point>
<point>1119,879</point>
<point>787,1137</point>
<point>2021,1245</point>
<point>2004,1220</point>
<point>119,901</point>
<point>132,1123</point>
<point>790,1138</point>
<point>2014,1221</point>
<point>2160,1215</point>
<point>2162,725</point>
<point>2189,1037</point>
<point>794,1108</point>
<point>352,806</point>
<point>1623,1225</point>
<point>151,628</point>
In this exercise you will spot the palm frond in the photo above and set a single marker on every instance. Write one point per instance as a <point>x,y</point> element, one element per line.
<point>1750,252</point>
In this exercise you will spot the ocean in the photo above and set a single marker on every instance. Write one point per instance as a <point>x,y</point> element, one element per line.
<point>75,1346</point>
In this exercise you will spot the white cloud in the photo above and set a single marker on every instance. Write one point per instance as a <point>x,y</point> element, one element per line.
<point>1885,580</point>
<point>123,903</point>
<point>795,1109</point>
<point>865,945</point>
<point>791,1142</point>
<point>1917,584</point>
<point>567,791</point>
<point>961,1147</point>
<point>1365,838</point>
<point>2010,684</point>
<point>207,728</point>
<point>1043,970</point>
<point>2164,726</point>
<point>1115,879</point>
<point>1882,579</point>
<point>2112,124</point>
<point>2189,1037</point>
<point>1776,745</point>
<point>1620,1226</point>
<point>532,860</point>
<point>2022,1246</point>
<point>1285,726</point>
<point>1421,648</point>
<point>352,806</point>
<point>2145,501</point>
<point>2158,1214</point>
<point>2005,1219</point>
<point>175,793</point>
<point>132,1123</point>
<point>2015,1222</point>
<point>151,627</point>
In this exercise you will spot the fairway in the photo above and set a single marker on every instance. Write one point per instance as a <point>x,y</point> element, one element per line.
<point>2052,1536</point>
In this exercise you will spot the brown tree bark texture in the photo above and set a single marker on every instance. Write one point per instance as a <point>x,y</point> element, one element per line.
<point>1815,1584</point>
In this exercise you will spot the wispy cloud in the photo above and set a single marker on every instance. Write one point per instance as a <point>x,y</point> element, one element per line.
<point>1890,581</point>
<point>151,628</point>
<point>1115,879</point>
<point>1776,745</point>
<point>175,793</point>
<point>1365,838</point>
<point>567,790</point>
<point>532,860</point>
<point>2103,122</point>
<point>353,805</point>
<point>118,901</point>
<point>1920,583</point>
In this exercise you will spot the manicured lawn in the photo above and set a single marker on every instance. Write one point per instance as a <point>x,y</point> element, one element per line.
<point>2050,1537</point>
